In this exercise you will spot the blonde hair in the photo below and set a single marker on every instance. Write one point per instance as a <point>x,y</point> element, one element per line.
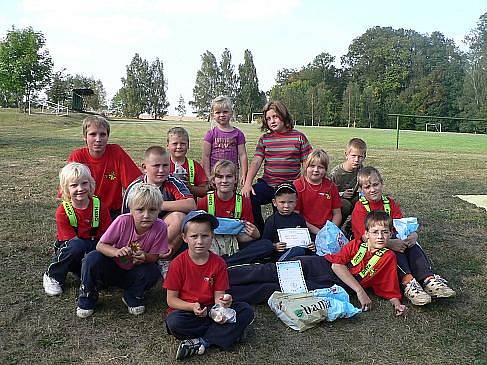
<point>223,164</point>
<point>97,121</point>
<point>144,195</point>
<point>319,155</point>
<point>178,131</point>
<point>364,175</point>
<point>155,150</point>
<point>71,173</point>
<point>221,102</point>
<point>358,144</point>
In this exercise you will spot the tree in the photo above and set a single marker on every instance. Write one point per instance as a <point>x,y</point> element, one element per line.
<point>157,101</point>
<point>136,87</point>
<point>59,90</point>
<point>181,108</point>
<point>249,98</point>
<point>229,81</point>
<point>207,86</point>
<point>25,65</point>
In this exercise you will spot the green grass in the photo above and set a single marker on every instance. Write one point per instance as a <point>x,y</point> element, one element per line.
<point>422,175</point>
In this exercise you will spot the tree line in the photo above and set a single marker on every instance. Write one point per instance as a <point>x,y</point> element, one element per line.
<point>385,70</point>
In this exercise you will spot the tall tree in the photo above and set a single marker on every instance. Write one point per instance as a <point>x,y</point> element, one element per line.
<point>181,108</point>
<point>136,87</point>
<point>207,86</point>
<point>157,101</point>
<point>25,65</point>
<point>229,80</point>
<point>249,98</point>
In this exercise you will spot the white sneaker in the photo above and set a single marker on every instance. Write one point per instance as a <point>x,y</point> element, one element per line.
<point>437,287</point>
<point>84,313</point>
<point>51,286</point>
<point>415,293</point>
<point>134,310</point>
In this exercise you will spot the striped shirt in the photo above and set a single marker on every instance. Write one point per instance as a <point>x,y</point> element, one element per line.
<point>283,154</point>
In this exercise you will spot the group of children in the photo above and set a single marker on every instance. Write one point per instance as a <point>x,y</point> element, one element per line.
<point>124,226</point>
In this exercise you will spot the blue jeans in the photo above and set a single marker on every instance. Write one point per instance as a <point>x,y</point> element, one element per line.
<point>99,271</point>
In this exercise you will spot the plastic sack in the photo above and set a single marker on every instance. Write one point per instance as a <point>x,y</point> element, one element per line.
<point>304,311</point>
<point>405,226</point>
<point>223,315</point>
<point>229,226</point>
<point>330,239</point>
<point>224,244</point>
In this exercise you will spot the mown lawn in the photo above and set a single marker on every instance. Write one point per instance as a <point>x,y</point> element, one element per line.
<point>423,175</point>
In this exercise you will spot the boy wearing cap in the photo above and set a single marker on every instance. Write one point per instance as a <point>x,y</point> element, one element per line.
<point>285,199</point>
<point>197,279</point>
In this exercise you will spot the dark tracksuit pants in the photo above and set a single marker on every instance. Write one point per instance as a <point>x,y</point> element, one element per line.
<point>415,262</point>
<point>67,258</point>
<point>186,325</point>
<point>99,271</point>
<point>251,252</point>
<point>264,194</point>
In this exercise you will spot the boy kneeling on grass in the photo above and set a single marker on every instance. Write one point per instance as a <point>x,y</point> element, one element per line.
<point>196,280</point>
<point>126,254</point>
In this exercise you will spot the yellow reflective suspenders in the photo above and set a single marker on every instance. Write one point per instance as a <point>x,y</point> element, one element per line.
<point>385,201</point>
<point>95,221</point>
<point>369,267</point>
<point>191,171</point>
<point>238,205</point>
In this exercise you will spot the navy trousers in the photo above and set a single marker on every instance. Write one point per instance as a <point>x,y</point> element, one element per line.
<point>251,252</point>
<point>415,262</point>
<point>185,325</point>
<point>67,258</point>
<point>264,194</point>
<point>99,271</point>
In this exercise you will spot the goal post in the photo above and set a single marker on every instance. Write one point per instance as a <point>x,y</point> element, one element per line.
<point>433,127</point>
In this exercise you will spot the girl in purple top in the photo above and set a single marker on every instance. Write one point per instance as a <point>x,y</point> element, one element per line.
<point>224,142</point>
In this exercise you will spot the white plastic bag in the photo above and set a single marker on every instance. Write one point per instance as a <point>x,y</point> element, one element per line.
<point>330,239</point>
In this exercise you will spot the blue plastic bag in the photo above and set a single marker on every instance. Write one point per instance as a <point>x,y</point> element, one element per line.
<point>229,226</point>
<point>405,226</point>
<point>330,239</point>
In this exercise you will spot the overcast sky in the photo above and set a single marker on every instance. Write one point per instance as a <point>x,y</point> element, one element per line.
<point>98,38</point>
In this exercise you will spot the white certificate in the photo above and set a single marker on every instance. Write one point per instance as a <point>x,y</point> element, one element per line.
<point>291,278</point>
<point>294,237</point>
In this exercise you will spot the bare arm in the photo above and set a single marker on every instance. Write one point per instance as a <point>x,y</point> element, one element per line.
<point>198,190</point>
<point>337,216</point>
<point>342,272</point>
<point>250,233</point>
<point>253,170</point>
<point>175,302</point>
<point>312,228</point>
<point>205,158</point>
<point>183,205</point>
<point>244,163</point>
<point>110,251</point>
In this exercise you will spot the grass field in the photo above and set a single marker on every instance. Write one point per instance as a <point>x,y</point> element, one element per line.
<point>422,175</point>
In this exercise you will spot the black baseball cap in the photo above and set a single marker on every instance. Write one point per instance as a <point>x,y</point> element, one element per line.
<point>285,188</point>
<point>199,215</point>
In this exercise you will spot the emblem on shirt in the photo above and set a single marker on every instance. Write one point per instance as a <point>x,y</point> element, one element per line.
<point>209,279</point>
<point>327,195</point>
<point>111,176</point>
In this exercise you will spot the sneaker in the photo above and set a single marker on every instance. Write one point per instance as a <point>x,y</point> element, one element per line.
<point>134,310</point>
<point>51,286</point>
<point>415,293</point>
<point>437,288</point>
<point>189,348</point>
<point>84,313</point>
<point>163,267</point>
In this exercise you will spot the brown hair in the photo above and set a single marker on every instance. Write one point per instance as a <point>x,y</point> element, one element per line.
<point>378,217</point>
<point>280,110</point>
<point>365,173</point>
<point>95,120</point>
<point>318,154</point>
<point>156,150</point>
<point>178,131</point>
<point>358,144</point>
<point>223,164</point>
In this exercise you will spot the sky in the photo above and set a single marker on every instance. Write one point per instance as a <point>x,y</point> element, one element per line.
<point>98,38</point>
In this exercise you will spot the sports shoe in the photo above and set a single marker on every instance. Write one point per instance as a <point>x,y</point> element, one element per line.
<point>189,348</point>
<point>415,293</point>
<point>437,288</point>
<point>51,286</point>
<point>84,313</point>
<point>134,310</point>
<point>163,267</point>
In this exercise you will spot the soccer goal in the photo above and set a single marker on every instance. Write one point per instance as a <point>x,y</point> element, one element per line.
<point>47,107</point>
<point>433,127</point>
<point>256,117</point>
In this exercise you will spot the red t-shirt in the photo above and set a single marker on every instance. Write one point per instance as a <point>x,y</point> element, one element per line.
<point>199,174</point>
<point>197,283</point>
<point>384,281</point>
<point>359,213</point>
<point>114,170</point>
<point>84,216</point>
<point>226,208</point>
<point>316,202</point>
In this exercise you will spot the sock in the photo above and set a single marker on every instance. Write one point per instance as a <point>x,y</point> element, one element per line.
<point>204,342</point>
<point>407,278</point>
<point>428,278</point>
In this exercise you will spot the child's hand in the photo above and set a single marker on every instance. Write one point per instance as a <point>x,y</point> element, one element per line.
<point>363,298</point>
<point>397,245</point>
<point>198,311</point>
<point>138,257</point>
<point>280,246</point>
<point>312,247</point>
<point>124,251</point>
<point>226,300</point>
<point>166,254</point>
<point>347,194</point>
<point>250,229</point>
<point>242,180</point>
<point>247,190</point>
<point>411,239</point>
<point>401,310</point>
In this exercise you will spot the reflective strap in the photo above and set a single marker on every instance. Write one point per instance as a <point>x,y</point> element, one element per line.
<point>211,203</point>
<point>238,206</point>
<point>191,171</point>
<point>369,268</point>
<point>359,256</point>
<point>95,222</point>
<point>68,208</point>
<point>385,201</point>
<point>365,203</point>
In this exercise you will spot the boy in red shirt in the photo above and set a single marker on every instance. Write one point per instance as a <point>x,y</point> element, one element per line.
<point>111,167</point>
<point>187,170</point>
<point>81,219</point>
<point>196,280</point>
<point>414,266</point>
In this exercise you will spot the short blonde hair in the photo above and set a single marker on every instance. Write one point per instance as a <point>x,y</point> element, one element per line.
<point>358,144</point>
<point>364,175</point>
<point>71,173</point>
<point>178,131</point>
<point>223,164</point>
<point>155,150</point>
<point>221,102</point>
<point>95,120</point>
<point>319,155</point>
<point>144,195</point>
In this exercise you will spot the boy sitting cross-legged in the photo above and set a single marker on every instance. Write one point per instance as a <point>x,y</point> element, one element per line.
<point>414,267</point>
<point>126,254</point>
<point>196,280</point>
<point>81,219</point>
